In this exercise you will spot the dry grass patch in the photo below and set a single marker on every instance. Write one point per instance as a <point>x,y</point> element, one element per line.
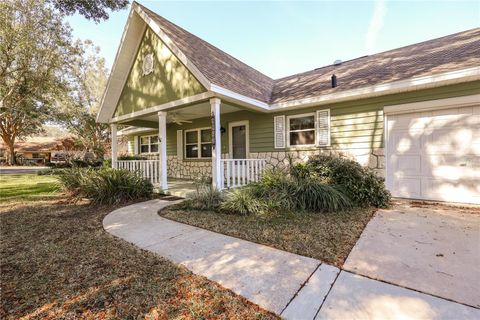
<point>328,237</point>
<point>58,262</point>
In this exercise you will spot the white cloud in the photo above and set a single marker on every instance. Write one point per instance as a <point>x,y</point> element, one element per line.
<point>376,24</point>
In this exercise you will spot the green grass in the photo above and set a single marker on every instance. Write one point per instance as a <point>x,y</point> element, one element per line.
<point>27,187</point>
<point>328,237</point>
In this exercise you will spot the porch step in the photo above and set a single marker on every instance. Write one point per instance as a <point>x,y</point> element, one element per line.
<point>171,198</point>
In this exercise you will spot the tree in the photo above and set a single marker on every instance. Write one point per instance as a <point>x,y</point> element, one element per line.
<point>92,10</point>
<point>35,48</point>
<point>88,78</point>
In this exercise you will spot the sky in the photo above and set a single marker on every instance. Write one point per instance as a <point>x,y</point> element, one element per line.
<point>281,38</point>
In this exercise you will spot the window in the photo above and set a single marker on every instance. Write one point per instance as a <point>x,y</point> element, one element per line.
<point>198,143</point>
<point>301,130</point>
<point>148,144</point>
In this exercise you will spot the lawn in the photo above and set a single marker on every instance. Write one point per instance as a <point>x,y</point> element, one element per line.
<point>58,262</point>
<point>27,187</point>
<point>328,237</point>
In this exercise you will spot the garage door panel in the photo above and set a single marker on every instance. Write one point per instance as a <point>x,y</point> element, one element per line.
<point>407,165</point>
<point>458,140</point>
<point>409,122</point>
<point>464,190</point>
<point>435,155</point>
<point>405,142</point>
<point>408,187</point>
<point>450,167</point>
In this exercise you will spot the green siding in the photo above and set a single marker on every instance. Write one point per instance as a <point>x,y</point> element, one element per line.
<point>169,81</point>
<point>131,145</point>
<point>354,124</point>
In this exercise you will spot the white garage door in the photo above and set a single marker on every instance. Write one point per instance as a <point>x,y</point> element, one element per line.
<point>435,155</point>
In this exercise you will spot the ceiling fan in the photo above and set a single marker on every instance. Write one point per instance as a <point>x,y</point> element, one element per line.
<point>176,118</point>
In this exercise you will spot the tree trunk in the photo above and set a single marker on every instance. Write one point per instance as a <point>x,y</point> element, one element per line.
<point>11,153</point>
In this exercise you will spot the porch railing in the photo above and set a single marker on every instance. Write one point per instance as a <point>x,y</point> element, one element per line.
<point>149,169</point>
<point>240,172</point>
<point>236,172</point>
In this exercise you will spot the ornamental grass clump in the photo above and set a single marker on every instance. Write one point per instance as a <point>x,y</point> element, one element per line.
<point>243,202</point>
<point>280,192</point>
<point>205,198</point>
<point>105,185</point>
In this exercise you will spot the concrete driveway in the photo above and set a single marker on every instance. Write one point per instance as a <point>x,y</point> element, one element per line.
<point>430,248</point>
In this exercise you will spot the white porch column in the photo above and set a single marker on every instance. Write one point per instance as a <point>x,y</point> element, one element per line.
<point>162,148</point>
<point>216,144</point>
<point>113,130</point>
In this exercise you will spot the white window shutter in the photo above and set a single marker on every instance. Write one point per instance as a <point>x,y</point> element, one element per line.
<point>279,132</point>
<point>180,144</point>
<point>323,127</point>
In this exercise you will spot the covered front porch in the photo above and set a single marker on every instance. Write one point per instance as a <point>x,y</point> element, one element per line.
<point>205,141</point>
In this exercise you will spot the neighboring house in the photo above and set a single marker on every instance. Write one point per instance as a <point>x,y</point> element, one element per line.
<point>41,150</point>
<point>412,114</point>
<point>33,151</point>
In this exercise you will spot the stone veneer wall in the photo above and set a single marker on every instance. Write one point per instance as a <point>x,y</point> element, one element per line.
<point>372,158</point>
<point>188,169</point>
<point>198,169</point>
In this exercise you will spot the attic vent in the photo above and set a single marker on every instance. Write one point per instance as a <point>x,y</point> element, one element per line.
<point>337,62</point>
<point>334,80</point>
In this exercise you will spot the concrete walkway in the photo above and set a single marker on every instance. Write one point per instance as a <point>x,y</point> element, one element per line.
<point>429,248</point>
<point>287,284</point>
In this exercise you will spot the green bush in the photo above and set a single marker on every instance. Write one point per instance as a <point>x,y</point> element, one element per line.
<point>132,157</point>
<point>299,191</point>
<point>243,201</point>
<point>359,183</point>
<point>106,185</point>
<point>59,165</point>
<point>79,163</point>
<point>204,198</point>
<point>313,195</point>
<point>49,172</point>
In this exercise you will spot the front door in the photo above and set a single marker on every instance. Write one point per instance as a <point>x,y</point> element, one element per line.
<point>239,140</point>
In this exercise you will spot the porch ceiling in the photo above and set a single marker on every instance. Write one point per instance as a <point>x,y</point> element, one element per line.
<point>200,110</point>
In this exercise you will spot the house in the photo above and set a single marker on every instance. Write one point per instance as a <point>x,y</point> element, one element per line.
<point>32,151</point>
<point>412,114</point>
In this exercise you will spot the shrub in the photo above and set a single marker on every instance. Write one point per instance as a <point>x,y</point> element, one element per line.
<point>287,192</point>
<point>359,183</point>
<point>49,172</point>
<point>277,189</point>
<point>131,157</point>
<point>243,201</point>
<point>313,195</point>
<point>72,179</point>
<point>59,165</point>
<point>204,198</point>
<point>86,163</point>
<point>106,185</point>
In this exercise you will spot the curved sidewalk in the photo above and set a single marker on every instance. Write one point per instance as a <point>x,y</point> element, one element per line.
<point>287,284</point>
<point>266,276</point>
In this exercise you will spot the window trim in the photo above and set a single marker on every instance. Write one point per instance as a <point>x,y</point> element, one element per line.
<point>199,143</point>
<point>149,144</point>
<point>310,114</point>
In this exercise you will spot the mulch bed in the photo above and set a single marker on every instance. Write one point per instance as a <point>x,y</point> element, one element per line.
<point>58,262</point>
<point>328,237</point>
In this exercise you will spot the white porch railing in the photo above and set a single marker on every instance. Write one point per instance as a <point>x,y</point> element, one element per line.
<point>236,172</point>
<point>240,172</point>
<point>149,169</point>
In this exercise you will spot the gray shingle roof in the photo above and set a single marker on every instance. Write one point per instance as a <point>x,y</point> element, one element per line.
<point>449,53</point>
